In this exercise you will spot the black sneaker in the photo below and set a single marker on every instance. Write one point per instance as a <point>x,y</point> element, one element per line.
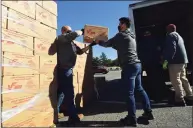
<point>147,115</point>
<point>189,101</point>
<point>128,122</point>
<point>73,121</point>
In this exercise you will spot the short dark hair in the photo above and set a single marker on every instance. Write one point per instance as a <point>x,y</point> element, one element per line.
<point>126,20</point>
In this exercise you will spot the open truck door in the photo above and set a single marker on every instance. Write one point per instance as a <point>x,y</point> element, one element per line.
<point>156,15</point>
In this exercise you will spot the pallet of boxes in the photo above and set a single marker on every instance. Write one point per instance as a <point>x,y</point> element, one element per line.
<point>28,29</point>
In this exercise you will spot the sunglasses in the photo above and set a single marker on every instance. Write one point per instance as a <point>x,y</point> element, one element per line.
<point>69,31</point>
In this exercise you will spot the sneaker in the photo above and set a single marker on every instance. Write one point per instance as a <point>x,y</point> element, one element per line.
<point>73,120</point>
<point>147,115</point>
<point>128,122</point>
<point>189,100</point>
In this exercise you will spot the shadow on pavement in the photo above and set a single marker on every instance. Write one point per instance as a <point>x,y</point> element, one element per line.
<point>112,100</point>
<point>100,123</point>
<point>103,108</point>
<point>93,124</point>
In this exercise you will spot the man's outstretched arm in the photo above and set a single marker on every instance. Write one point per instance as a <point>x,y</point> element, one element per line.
<point>72,35</point>
<point>111,42</point>
<point>83,50</point>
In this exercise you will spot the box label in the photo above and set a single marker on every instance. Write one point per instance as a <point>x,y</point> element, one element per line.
<point>26,82</point>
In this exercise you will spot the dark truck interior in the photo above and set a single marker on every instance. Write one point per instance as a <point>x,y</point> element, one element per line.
<point>155,18</point>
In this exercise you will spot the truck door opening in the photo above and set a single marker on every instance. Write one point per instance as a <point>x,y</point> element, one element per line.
<point>156,17</point>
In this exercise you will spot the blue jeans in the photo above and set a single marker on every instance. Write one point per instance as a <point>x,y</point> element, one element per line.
<point>65,87</point>
<point>131,78</point>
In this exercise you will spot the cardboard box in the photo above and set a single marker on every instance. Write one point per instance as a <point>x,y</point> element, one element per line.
<point>47,64</point>
<point>81,78</point>
<point>16,42</point>
<point>9,4</point>
<point>23,24</point>
<point>36,111</point>
<point>23,119</point>
<point>4,16</point>
<point>46,32</point>
<point>15,99</point>
<point>78,99</point>
<point>30,119</point>
<point>45,81</point>
<point>51,6</point>
<point>28,83</point>
<point>42,104</point>
<point>81,60</point>
<point>75,82</point>
<point>80,63</point>
<point>95,32</point>
<point>75,77</point>
<point>39,2</point>
<point>45,17</point>
<point>80,44</point>
<point>25,7</point>
<point>41,46</point>
<point>18,64</point>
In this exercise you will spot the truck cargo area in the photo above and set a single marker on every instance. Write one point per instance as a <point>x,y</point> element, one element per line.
<point>156,17</point>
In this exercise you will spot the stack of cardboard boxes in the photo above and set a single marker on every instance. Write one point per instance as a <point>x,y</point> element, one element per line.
<point>28,29</point>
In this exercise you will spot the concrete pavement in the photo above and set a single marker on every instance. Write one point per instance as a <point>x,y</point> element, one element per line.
<point>110,107</point>
<point>112,75</point>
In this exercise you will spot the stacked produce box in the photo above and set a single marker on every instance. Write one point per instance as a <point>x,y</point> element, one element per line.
<point>28,29</point>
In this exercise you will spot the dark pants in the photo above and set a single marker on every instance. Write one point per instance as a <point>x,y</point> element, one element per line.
<point>156,87</point>
<point>65,86</point>
<point>131,78</point>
